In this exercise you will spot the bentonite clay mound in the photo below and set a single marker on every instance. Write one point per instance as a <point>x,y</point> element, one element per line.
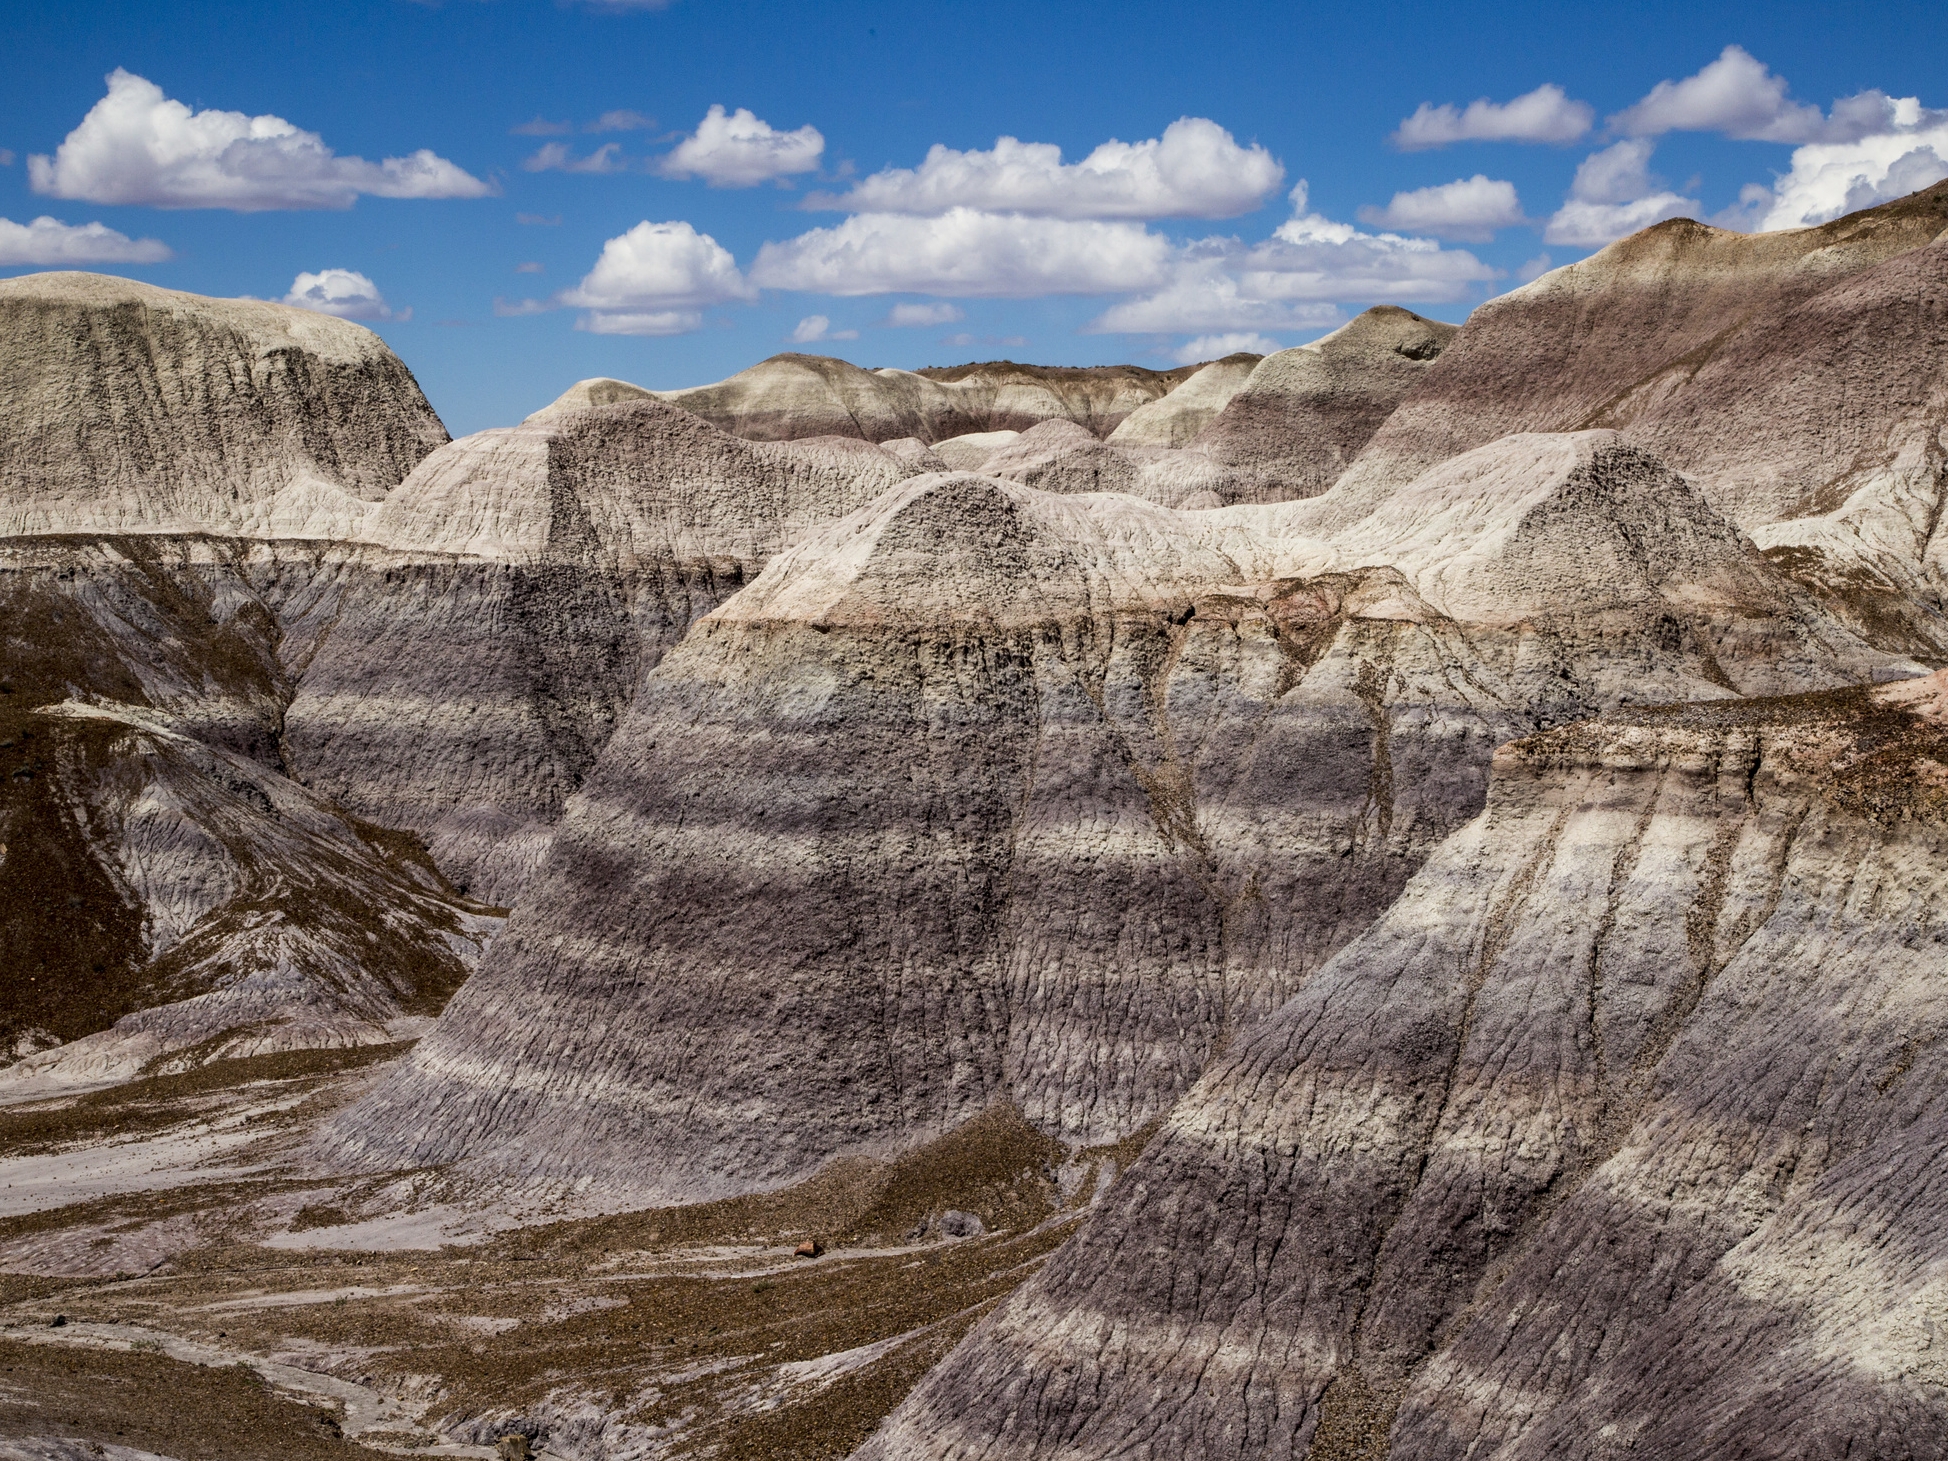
<point>136,409</point>
<point>1620,1133</point>
<point>1039,798</point>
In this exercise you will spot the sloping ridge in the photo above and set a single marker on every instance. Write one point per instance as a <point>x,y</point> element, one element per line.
<point>791,395</point>
<point>1039,798</point>
<point>1622,1131</point>
<point>137,409</point>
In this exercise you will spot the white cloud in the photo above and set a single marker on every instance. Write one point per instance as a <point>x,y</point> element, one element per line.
<point>1614,195</point>
<point>620,120</point>
<point>530,267</point>
<point>514,309</point>
<point>1468,208</point>
<point>1295,279</point>
<point>641,322</point>
<point>1216,347</point>
<point>50,241</point>
<point>6,157</point>
<point>963,253</point>
<point>344,293</point>
<point>1534,269</point>
<point>557,157</point>
<point>655,280</point>
<point>818,327</point>
<point>1195,170</point>
<point>740,151</point>
<point>137,146</point>
<point>1543,115</point>
<point>923,316</point>
<point>1831,178</point>
<point>1740,97</point>
<point>540,126</point>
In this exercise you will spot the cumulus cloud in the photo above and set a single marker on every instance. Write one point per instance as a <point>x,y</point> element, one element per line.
<point>1216,347</point>
<point>1468,208</point>
<point>739,150</point>
<point>1543,115</point>
<point>1736,94</point>
<point>344,293</point>
<point>1195,170</point>
<point>1295,279</point>
<point>558,157</point>
<point>923,316</point>
<point>965,252</point>
<point>656,279</point>
<point>1613,195</point>
<point>1831,178</point>
<point>818,327</point>
<point>50,241</point>
<point>137,146</point>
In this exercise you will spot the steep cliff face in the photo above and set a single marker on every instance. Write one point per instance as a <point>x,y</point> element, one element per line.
<point>137,409</point>
<point>1619,1132</point>
<point>1041,797</point>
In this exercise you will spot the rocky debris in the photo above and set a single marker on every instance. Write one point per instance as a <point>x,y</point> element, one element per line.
<point>1175,419</point>
<point>136,409</point>
<point>955,1224</point>
<point>810,1248</point>
<point>792,395</point>
<point>512,1447</point>
<point>1051,794</point>
<point>1624,1122</point>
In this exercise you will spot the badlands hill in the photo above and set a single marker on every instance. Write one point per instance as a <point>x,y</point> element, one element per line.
<point>789,396</point>
<point>1379,900</point>
<point>136,409</point>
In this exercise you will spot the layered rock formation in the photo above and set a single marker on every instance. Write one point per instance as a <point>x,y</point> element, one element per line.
<point>790,396</point>
<point>1043,796</point>
<point>1301,416</point>
<point>554,563</point>
<point>136,409</point>
<point>1176,418</point>
<point>169,901</point>
<point>1797,376</point>
<point>1620,1132</point>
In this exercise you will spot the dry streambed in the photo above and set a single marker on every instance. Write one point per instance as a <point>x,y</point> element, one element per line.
<point>225,1312</point>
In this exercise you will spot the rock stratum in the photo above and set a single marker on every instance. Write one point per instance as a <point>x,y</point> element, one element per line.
<point>1374,901</point>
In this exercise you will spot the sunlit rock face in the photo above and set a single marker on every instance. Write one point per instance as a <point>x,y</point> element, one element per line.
<point>1621,1123</point>
<point>136,409</point>
<point>1042,797</point>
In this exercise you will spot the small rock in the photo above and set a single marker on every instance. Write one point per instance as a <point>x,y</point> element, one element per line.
<point>810,1248</point>
<point>961,1224</point>
<point>512,1447</point>
<point>60,1322</point>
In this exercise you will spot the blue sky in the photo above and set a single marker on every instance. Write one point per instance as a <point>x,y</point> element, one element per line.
<point>1193,241</point>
